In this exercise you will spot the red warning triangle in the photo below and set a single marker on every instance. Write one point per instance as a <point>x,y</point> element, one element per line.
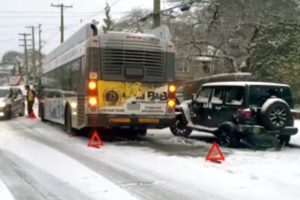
<point>95,141</point>
<point>215,153</point>
<point>32,115</point>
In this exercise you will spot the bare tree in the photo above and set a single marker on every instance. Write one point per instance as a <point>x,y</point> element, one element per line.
<point>132,21</point>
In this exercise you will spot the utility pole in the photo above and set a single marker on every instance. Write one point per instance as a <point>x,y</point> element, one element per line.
<point>40,51</point>
<point>33,51</point>
<point>156,13</point>
<point>26,54</point>
<point>61,6</point>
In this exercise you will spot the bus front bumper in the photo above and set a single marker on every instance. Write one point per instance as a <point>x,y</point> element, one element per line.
<point>100,120</point>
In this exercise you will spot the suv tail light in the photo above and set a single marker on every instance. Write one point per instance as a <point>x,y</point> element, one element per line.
<point>172,91</point>
<point>171,97</point>
<point>171,103</point>
<point>246,114</point>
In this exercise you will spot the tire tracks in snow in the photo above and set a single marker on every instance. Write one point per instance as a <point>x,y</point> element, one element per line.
<point>136,184</point>
<point>21,185</point>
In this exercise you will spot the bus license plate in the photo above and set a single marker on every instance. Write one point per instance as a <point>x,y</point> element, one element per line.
<point>135,106</point>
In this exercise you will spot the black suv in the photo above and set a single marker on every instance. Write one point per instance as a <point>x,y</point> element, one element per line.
<point>249,112</point>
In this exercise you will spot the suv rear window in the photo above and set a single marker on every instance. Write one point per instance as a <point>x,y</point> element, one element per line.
<point>204,94</point>
<point>235,96</point>
<point>259,94</point>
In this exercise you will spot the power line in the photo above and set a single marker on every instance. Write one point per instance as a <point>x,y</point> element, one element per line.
<point>7,33</point>
<point>96,14</point>
<point>18,25</point>
<point>43,12</point>
<point>36,16</point>
<point>183,7</point>
<point>51,37</point>
<point>8,40</point>
<point>11,31</point>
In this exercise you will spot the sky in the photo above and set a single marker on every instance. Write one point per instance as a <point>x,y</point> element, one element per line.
<point>16,14</point>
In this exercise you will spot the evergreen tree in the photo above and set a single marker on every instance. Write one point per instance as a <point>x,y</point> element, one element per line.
<point>108,22</point>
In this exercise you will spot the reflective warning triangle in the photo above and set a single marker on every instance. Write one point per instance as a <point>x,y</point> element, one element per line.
<point>95,141</point>
<point>215,153</point>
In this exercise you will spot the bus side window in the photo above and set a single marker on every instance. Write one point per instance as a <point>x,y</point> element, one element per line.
<point>66,77</point>
<point>75,74</point>
<point>50,94</point>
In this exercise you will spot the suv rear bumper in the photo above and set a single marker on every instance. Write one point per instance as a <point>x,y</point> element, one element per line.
<point>259,130</point>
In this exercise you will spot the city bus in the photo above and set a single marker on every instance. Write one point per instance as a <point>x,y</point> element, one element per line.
<point>110,80</point>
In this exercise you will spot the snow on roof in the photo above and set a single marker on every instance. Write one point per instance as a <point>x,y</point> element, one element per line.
<point>243,83</point>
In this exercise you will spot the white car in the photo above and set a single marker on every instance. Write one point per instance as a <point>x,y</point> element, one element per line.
<point>12,102</point>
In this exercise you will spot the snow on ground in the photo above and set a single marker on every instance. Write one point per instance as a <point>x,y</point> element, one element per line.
<point>158,166</point>
<point>60,166</point>
<point>4,192</point>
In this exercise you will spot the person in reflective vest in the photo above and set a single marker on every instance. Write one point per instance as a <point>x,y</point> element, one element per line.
<point>30,101</point>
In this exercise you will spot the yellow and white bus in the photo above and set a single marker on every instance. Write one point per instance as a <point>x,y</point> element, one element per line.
<point>113,79</point>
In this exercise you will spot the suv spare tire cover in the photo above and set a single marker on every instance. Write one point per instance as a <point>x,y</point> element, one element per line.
<point>275,113</point>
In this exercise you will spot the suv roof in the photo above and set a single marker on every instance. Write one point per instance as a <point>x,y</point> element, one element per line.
<point>244,83</point>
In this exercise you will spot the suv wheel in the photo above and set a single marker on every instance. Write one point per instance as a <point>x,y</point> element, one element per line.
<point>284,139</point>
<point>142,132</point>
<point>179,127</point>
<point>227,135</point>
<point>275,113</point>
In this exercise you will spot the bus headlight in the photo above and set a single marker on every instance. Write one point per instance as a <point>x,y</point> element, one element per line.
<point>2,104</point>
<point>74,105</point>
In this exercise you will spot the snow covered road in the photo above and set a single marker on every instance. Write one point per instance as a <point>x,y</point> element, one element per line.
<point>39,161</point>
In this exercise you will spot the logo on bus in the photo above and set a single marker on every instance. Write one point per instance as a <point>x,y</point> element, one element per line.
<point>112,97</point>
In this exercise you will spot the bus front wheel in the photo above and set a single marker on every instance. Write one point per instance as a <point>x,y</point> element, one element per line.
<point>42,112</point>
<point>68,122</point>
